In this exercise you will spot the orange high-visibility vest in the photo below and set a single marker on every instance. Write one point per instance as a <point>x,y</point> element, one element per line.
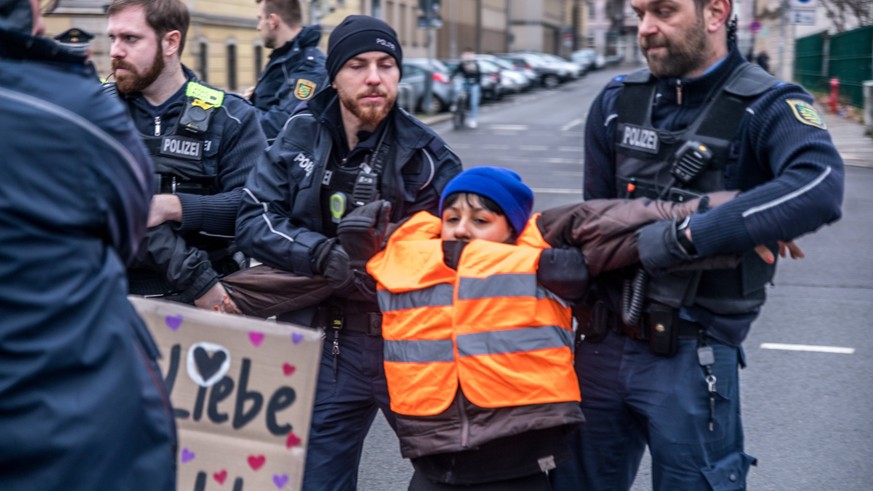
<point>489,326</point>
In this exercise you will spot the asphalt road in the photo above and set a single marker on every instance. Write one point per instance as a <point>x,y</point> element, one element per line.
<point>808,408</point>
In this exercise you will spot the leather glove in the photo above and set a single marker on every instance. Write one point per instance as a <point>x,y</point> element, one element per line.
<point>658,247</point>
<point>362,232</point>
<point>332,262</point>
<point>452,252</point>
<point>563,272</point>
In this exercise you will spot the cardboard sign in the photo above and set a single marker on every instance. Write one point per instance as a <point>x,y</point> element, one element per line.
<point>242,391</point>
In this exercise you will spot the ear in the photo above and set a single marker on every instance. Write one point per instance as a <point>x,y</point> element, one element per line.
<point>171,42</point>
<point>716,14</point>
<point>273,21</point>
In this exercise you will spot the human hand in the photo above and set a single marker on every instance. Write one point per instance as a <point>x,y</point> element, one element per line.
<point>249,92</point>
<point>362,232</point>
<point>164,208</point>
<point>659,248</point>
<point>216,299</point>
<point>785,248</point>
<point>332,262</point>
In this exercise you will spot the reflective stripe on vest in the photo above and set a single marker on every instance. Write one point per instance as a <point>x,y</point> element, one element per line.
<point>507,341</point>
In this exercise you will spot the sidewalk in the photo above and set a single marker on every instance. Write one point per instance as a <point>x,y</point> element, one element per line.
<point>849,138</point>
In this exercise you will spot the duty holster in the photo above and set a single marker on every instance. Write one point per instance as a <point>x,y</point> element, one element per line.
<point>660,326</point>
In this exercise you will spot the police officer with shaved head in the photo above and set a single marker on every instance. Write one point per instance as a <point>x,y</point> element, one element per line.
<point>658,365</point>
<point>203,141</point>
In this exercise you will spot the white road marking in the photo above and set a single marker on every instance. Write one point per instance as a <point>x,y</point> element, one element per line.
<point>571,149</point>
<point>508,127</point>
<point>572,124</point>
<point>533,148</point>
<point>806,347</point>
<point>576,191</point>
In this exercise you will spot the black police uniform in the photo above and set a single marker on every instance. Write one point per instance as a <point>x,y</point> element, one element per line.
<point>203,142</point>
<point>286,214</point>
<point>294,74</point>
<point>82,403</point>
<point>670,380</point>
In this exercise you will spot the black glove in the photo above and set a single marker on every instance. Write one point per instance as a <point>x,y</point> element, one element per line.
<point>362,232</point>
<point>563,272</point>
<point>452,252</point>
<point>332,262</point>
<point>659,248</point>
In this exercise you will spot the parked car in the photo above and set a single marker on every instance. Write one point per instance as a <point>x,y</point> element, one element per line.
<point>417,70</point>
<point>513,80</point>
<point>549,76</point>
<point>490,84</point>
<point>522,66</point>
<point>588,59</point>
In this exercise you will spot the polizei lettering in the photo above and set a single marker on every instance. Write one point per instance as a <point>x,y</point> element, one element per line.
<point>640,138</point>
<point>305,163</point>
<point>186,148</point>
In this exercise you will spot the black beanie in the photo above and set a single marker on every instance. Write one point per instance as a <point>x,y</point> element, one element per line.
<point>358,34</point>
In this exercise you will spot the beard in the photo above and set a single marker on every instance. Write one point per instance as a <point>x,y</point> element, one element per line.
<point>269,39</point>
<point>133,81</point>
<point>370,115</point>
<point>682,55</point>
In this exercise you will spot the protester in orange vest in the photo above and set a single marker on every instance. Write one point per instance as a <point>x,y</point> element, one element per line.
<point>478,351</point>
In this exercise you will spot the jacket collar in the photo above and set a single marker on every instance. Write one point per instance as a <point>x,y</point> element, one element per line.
<point>698,89</point>
<point>308,37</point>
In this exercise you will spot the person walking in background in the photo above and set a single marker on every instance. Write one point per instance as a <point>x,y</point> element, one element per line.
<point>471,74</point>
<point>347,146</point>
<point>203,141</point>
<point>295,71</point>
<point>659,365</point>
<point>82,402</point>
<point>763,59</point>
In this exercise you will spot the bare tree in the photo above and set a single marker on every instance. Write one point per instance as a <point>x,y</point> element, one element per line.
<point>842,12</point>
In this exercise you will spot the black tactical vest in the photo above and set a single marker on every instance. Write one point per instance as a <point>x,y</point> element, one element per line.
<point>644,157</point>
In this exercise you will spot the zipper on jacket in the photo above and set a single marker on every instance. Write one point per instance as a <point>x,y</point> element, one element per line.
<point>679,92</point>
<point>157,126</point>
<point>465,421</point>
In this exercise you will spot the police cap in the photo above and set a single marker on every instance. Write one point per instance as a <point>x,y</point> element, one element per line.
<point>75,39</point>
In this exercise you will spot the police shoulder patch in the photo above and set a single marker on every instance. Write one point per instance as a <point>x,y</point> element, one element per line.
<point>304,89</point>
<point>806,114</point>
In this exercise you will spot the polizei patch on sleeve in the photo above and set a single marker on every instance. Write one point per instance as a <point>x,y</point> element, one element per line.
<point>179,146</point>
<point>639,138</point>
<point>304,89</point>
<point>806,114</point>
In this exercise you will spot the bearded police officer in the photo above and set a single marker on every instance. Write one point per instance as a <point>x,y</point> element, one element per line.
<point>296,67</point>
<point>82,405</point>
<point>203,142</point>
<point>344,148</point>
<point>699,119</point>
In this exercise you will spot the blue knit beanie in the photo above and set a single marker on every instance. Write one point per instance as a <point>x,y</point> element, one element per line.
<point>501,185</point>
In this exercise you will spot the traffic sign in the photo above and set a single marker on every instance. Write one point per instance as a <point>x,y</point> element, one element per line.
<point>755,26</point>
<point>803,4</point>
<point>803,17</point>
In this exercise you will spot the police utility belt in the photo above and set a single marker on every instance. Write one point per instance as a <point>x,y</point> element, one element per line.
<point>366,323</point>
<point>660,326</point>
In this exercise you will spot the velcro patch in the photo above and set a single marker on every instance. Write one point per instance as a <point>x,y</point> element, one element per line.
<point>181,147</point>
<point>304,89</point>
<point>806,114</point>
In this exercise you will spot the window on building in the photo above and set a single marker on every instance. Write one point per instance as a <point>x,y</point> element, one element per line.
<point>231,67</point>
<point>203,60</point>
<point>592,10</point>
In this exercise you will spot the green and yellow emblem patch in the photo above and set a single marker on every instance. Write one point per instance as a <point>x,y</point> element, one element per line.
<point>806,114</point>
<point>304,89</point>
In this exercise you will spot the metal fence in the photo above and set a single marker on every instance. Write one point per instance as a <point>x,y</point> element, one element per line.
<point>847,56</point>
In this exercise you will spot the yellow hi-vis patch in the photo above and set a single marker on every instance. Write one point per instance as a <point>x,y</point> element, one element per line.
<point>806,114</point>
<point>304,89</point>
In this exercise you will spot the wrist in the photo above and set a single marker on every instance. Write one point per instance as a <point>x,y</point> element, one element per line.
<point>683,237</point>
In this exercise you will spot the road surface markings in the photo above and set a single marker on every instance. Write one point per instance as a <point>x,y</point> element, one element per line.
<point>533,148</point>
<point>572,124</point>
<point>571,149</point>
<point>508,127</point>
<point>806,347</point>
<point>576,191</point>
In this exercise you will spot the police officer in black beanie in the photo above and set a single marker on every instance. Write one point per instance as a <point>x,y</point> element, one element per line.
<point>348,150</point>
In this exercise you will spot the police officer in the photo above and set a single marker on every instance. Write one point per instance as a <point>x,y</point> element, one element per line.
<point>203,142</point>
<point>82,403</point>
<point>296,67</point>
<point>76,40</point>
<point>347,146</point>
<point>700,118</point>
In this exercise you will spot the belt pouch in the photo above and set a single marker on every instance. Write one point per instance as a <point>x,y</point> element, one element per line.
<point>663,329</point>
